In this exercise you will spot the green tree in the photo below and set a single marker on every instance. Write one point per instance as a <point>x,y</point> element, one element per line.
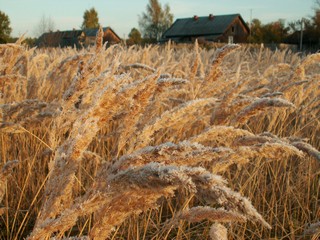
<point>134,37</point>
<point>256,31</point>
<point>31,42</point>
<point>275,32</point>
<point>90,19</point>
<point>5,29</point>
<point>155,20</point>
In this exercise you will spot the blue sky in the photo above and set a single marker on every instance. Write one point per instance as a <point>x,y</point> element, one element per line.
<point>122,15</point>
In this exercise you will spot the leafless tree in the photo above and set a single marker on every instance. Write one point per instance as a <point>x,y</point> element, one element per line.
<point>46,24</point>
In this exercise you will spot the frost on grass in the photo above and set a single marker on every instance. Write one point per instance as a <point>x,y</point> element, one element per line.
<point>123,131</point>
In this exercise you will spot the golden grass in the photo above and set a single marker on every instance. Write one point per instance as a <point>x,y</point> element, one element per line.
<point>159,142</point>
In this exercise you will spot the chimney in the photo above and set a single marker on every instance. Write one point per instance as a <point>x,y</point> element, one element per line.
<point>195,17</point>
<point>211,17</point>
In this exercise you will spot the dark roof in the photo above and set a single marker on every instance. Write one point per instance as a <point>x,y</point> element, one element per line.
<point>63,34</point>
<point>71,34</point>
<point>202,26</point>
<point>68,38</point>
<point>92,32</point>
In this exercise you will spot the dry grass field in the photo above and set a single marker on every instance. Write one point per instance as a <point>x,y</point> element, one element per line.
<point>159,142</point>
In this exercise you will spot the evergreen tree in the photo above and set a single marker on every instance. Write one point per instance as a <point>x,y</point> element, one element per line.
<point>90,19</point>
<point>134,37</point>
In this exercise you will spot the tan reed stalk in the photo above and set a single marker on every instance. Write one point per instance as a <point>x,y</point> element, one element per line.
<point>270,150</point>
<point>68,155</point>
<point>53,83</point>
<point>80,84</point>
<point>220,136</point>
<point>291,85</point>
<point>195,86</point>
<point>99,40</point>
<point>244,154</point>
<point>181,154</point>
<point>9,55</point>
<point>193,178</point>
<point>305,147</point>
<point>28,111</point>
<point>273,94</point>
<point>223,110</point>
<point>237,91</point>
<point>170,92</point>
<point>232,201</point>
<point>66,219</point>
<point>113,201</point>
<point>258,106</point>
<point>79,91</point>
<point>13,88</point>
<point>139,66</point>
<point>274,69</point>
<point>9,127</point>
<point>179,116</point>
<point>125,198</point>
<point>218,232</point>
<point>215,70</point>
<point>140,101</point>
<point>198,214</point>
<point>195,65</point>
<point>299,73</point>
<point>250,140</point>
<point>169,81</point>
<point>102,94</point>
<point>5,171</point>
<point>224,87</point>
<point>91,157</point>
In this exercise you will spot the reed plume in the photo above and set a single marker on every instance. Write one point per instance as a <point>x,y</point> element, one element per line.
<point>179,116</point>
<point>259,106</point>
<point>215,70</point>
<point>182,154</point>
<point>220,136</point>
<point>99,39</point>
<point>312,231</point>
<point>114,131</point>
<point>218,232</point>
<point>140,101</point>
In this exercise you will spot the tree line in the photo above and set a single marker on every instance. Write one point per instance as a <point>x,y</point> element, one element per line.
<point>304,31</point>
<point>157,18</point>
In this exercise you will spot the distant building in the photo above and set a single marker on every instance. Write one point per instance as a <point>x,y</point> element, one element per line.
<point>76,38</point>
<point>108,36</point>
<point>221,28</point>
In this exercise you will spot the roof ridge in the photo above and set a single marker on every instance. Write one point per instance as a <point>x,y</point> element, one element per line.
<point>205,16</point>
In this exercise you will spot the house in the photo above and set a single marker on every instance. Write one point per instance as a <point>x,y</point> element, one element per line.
<point>61,39</point>
<point>76,38</point>
<point>229,28</point>
<point>108,36</point>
